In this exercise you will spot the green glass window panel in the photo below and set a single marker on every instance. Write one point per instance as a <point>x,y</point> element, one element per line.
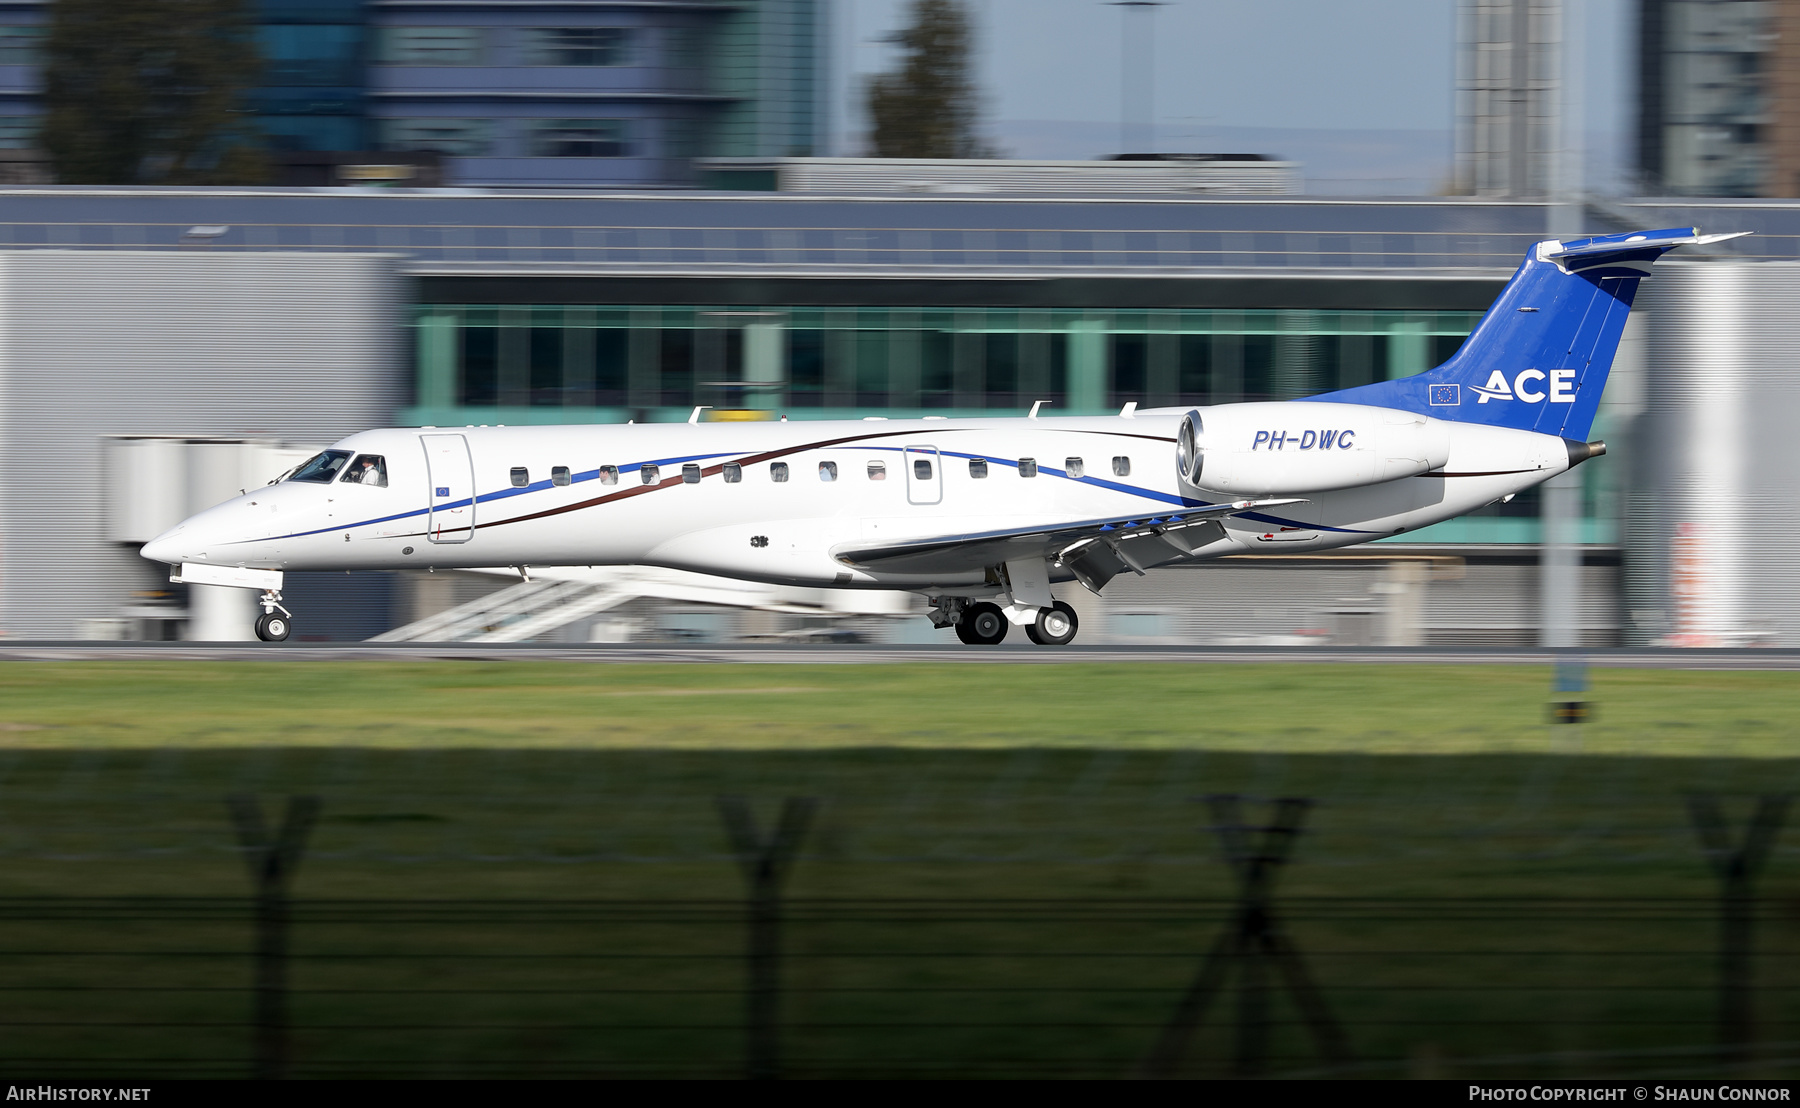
<point>579,138</point>
<point>1258,366</point>
<point>937,368</point>
<point>806,366</point>
<point>1001,358</point>
<point>1057,368</point>
<point>480,364</point>
<point>20,45</point>
<point>431,45</point>
<point>19,132</point>
<point>545,366</point>
<point>550,355</point>
<point>1327,362</point>
<point>1129,322</point>
<point>1444,347</point>
<point>677,366</point>
<point>871,369</point>
<point>612,366</point>
<point>1129,358</point>
<point>1193,380</point>
<point>576,46</point>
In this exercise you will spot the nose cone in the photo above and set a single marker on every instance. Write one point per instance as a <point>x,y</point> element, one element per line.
<point>167,547</point>
<point>228,532</point>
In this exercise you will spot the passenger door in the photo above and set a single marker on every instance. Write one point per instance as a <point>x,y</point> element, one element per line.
<point>924,475</point>
<point>450,506</point>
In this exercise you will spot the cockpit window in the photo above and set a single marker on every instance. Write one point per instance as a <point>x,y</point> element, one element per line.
<point>367,469</point>
<point>321,468</point>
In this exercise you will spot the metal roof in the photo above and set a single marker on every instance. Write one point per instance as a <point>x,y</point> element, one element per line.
<point>450,231</point>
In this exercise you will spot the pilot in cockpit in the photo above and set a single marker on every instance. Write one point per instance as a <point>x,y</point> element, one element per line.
<point>370,470</point>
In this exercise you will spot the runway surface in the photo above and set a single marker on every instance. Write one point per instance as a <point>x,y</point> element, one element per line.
<point>860,654</point>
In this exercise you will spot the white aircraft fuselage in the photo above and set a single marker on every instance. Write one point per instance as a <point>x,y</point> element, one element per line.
<point>982,515</point>
<point>850,485</point>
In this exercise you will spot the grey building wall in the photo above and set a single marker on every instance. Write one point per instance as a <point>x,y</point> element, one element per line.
<point>1363,597</point>
<point>285,346</point>
<point>1713,525</point>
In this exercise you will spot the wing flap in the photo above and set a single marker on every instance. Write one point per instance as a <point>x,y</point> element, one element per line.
<point>1063,541</point>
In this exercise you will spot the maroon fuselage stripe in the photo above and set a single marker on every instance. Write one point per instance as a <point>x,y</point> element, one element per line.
<point>753,459</point>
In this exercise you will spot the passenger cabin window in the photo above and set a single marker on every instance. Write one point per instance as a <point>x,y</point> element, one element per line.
<point>690,474</point>
<point>922,469</point>
<point>559,475</point>
<point>733,472</point>
<point>877,471</point>
<point>827,471</point>
<point>321,469</point>
<point>367,469</point>
<point>978,468</point>
<point>520,477</point>
<point>778,472</point>
<point>1121,466</point>
<point>609,475</point>
<point>650,474</point>
<point>1075,466</point>
<point>1027,467</point>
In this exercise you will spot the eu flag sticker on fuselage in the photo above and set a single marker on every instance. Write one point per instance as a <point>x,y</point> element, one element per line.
<point>1446,396</point>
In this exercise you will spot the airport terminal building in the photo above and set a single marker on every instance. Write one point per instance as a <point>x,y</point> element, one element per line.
<point>154,340</point>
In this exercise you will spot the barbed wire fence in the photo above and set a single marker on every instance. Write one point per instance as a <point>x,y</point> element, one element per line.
<point>1097,982</point>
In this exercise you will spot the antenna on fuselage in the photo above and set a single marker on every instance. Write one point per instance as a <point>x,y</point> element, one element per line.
<point>1035,405</point>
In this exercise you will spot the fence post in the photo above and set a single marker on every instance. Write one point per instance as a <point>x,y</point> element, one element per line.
<point>272,862</point>
<point>766,866</point>
<point>1736,870</point>
<point>1255,944</point>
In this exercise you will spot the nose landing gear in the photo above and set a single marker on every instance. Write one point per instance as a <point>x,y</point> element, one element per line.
<point>269,626</point>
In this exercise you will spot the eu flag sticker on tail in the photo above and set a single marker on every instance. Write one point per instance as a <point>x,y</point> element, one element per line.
<point>443,490</point>
<point>1446,396</point>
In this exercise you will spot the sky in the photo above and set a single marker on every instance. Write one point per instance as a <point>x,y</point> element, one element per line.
<point>1366,85</point>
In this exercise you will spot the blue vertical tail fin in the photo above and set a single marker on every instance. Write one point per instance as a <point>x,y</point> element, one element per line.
<point>1539,358</point>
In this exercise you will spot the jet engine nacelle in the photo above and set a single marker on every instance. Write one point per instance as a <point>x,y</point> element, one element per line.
<point>1298,448</point>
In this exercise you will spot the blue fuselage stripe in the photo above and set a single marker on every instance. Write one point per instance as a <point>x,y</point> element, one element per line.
<point>636,467</point>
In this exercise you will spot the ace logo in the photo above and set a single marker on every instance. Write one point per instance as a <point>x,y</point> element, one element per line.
<point>1527,386</point>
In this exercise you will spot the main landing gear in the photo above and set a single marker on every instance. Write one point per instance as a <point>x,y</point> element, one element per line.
<point>982,625</point>
<point>985,624</point>
<point>1055,626</point>
<point>269,626</point>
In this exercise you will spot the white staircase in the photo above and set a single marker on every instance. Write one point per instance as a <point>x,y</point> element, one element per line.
<point>560,596</point>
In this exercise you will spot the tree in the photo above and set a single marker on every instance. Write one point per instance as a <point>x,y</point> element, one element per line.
<point>927,109</point>
<point>151,92</point>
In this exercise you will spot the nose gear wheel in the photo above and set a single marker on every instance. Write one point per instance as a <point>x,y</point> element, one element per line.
<point>276,622</point>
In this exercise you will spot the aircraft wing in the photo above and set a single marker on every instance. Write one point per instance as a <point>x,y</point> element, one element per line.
<point>1061,541</point>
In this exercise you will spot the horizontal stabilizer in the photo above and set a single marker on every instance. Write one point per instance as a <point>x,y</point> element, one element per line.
<point>1638,240</point>
<point>958,553</point>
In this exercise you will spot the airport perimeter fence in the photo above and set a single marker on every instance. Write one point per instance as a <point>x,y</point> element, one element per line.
<point>1105,981</point>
